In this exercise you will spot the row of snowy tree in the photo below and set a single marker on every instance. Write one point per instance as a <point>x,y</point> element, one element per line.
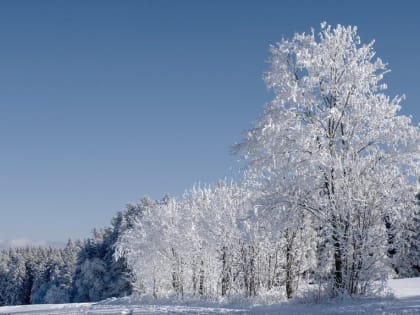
<point>328,193</point>
<point>208,244</point>
<point>215,242</point>
<point>82,271</point>
<point>36,275</point>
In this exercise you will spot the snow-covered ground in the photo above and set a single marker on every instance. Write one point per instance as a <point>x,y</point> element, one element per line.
<point>406,300</point>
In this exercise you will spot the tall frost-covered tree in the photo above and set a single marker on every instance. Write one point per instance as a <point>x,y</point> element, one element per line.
<point>332,144</point>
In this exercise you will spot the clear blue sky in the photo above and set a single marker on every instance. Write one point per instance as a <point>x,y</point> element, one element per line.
<point>103,102</point>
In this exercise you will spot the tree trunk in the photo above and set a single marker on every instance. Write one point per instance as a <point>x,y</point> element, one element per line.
<point>225,272</point>
<point>201,279</point>
<point>338,263</point>
<point>252,282</point>
<point>289,265</point>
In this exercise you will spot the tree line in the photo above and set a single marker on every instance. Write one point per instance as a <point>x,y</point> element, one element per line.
<point>82,271</point>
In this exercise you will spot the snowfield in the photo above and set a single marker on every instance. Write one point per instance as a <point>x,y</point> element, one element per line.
<point>405,300</point>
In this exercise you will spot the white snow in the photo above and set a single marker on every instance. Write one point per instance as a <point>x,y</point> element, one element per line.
<point>406,300</point>
<point>405,287</point>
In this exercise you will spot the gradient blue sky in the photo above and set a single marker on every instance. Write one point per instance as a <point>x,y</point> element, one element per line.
<point>103,102</point>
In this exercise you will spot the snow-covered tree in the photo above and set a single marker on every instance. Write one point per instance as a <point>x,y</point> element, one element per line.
<point>112,278</point>
<point>16,293</point>
<point>217,220</point>
<point>332,144</point>
<point>140,245</point>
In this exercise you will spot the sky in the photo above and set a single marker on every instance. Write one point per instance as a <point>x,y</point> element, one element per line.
<point>104,102</point>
